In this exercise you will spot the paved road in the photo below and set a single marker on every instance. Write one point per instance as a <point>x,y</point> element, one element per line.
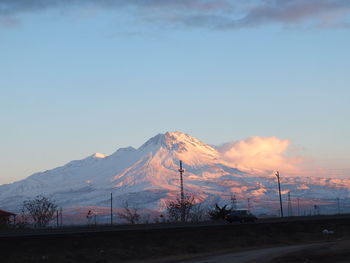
<point>258,256</point>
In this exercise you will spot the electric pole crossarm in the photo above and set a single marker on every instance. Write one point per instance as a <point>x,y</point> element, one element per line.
<point>181,170</point>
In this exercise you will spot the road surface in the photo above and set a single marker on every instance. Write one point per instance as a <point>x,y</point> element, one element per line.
<point>260,255</point>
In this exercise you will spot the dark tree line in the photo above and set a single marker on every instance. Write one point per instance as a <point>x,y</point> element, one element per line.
<point>41,211</point>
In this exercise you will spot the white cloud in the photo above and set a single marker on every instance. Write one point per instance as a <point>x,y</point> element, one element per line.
<point>265,153</point>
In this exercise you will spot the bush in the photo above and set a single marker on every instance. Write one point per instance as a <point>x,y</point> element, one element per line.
<point>180,210</point>
<point>130,215</point>
<point>218,212</point>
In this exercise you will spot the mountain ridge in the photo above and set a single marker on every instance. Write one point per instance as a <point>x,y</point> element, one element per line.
<point>148,177</point>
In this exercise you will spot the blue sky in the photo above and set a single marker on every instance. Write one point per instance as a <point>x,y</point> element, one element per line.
<point>92,78</point>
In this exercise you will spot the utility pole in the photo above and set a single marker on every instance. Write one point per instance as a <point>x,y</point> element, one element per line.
<point>316,210</point>
<point>298,206</point>
<point>181,170</point>
<point>248,204</point>
<point>57,223</point>
<point>279,191</point>
<point>61,216</point>
<point>338,204</point>
<point>234,202</point>
<point>290,210</point>
<point>111,208</point>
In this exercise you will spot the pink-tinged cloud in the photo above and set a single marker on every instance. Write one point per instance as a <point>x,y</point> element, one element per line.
<point>213,14</point>
<point>263,153</point>
<point>295,12</point>
<point>8,22</point>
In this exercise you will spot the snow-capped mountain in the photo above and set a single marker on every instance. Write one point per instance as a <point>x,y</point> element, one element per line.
<point>148,176</point>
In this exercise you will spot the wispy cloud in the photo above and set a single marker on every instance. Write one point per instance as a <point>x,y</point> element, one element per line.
<point>214,14</point>
<point>8,7</point>
<point>8,22</point>
<point>295,12</point>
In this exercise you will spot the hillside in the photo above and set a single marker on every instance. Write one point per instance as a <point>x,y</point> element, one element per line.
<point>148,176</point>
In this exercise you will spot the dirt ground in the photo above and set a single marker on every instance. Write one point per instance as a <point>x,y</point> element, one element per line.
<point>335,252</point>
<point>183,243</point>
<point>326,251</point>
<point>329,251</point>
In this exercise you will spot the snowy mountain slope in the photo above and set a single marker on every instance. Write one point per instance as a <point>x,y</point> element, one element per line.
<point>148,176</point>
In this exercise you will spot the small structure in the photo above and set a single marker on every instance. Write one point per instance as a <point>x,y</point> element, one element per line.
<point>5,218</point>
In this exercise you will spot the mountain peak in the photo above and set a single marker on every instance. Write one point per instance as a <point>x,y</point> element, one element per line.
<point>157,140</point>
<point>178,136</point>
<point>99,156</point>
<point>184,144</point>
<point>168,140</point>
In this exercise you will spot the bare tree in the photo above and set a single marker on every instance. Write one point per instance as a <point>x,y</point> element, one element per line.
<point>41,210</point>
<point>177,207</point>
<point>146,219</point>
<point>22,219</point>
<point>91,218</point>
<point>129,214</point>
<point>198,213</point>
